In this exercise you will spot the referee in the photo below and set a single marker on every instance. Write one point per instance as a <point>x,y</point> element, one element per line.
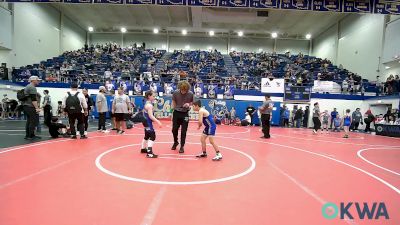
<point>182,99</point>
<point>266,111</point>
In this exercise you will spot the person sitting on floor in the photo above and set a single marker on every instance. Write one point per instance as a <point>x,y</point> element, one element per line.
<point>56,128</point>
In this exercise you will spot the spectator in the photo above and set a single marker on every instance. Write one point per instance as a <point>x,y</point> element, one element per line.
<point>337,122</point>
<point>305,116</point>
<point>286,116</point>
<point>102,109</point>
<point>368,119</point>
<point>89,102</point>
<point>56,128</point>
<point>356,120</point>
<point>74,104</point>
<point>31,107</point>
<point>333,116</point>
<point>298,116</point>
<point>251,111</point>
<point>120,108</point>
<point>233,115</point>
<point>46,105</point>
<point>4,106</point>
<point>325,120</point>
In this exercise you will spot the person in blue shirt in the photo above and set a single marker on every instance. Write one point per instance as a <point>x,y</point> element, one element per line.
<point>286,115</point>
<point>346,123</point>
<point>149,132</point>
<point>206,119</point>
<point>333,116</point>
<point>337,122</point>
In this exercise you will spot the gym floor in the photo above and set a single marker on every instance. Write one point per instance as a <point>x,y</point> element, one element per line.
<point>285,180</point>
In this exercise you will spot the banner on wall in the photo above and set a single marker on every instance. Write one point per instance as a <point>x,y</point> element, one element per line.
<point>272,86</point>
<point>355,6</point>
<point>326,86</point>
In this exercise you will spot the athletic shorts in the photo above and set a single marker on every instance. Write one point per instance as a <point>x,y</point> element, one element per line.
<point>119,116</point>
<point>325,122</point>
<point>112,115</point>
<point>149,134</point>
<point>210,131</point>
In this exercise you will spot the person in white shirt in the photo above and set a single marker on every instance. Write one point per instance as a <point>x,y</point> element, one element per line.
<point>107,74</point>
<point>198,92</point>
<point>120,108</point>
<point>109,86</point>
<point>75,106</point>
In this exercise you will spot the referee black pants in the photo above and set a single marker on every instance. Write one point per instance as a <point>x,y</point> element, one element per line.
<point>180,119</point>
<point>265,121</point>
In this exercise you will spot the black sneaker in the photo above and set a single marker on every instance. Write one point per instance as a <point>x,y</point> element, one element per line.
<point>114,129</point>
<point>36,137</point>
<point>73,137</point>
<point>151,155</point>
<point>28,138</point>
<point>143,150</point>
<point>174,146</point>
<point>181,150</point>
<point>84,137</point>
<point>202,155</point>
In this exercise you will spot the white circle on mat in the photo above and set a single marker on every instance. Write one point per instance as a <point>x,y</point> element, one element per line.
<point>111,173</point>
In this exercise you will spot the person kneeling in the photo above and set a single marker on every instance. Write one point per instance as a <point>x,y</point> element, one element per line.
<point>56,128</point>
<point>206,119</point>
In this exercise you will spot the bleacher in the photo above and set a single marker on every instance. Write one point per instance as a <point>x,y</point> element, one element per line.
<point>88,66</point>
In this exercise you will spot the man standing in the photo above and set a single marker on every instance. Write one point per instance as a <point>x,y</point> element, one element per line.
<point>47,108</point>
<point>89,102</point>
<point>266,111</point>
<point>102,109</point>
<point>333,116</point>
<point>120,108</point>
<point>182,99</point>
<point>74,104</point>
<point>297,117</point>
<point>305,117</point>
<point>356,120</point>
<point>233,116</point>
<point>251,110</point>
<point>31,107</point>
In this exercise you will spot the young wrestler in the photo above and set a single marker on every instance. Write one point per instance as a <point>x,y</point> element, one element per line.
<point>346,123</point>
<point>206,119</point>
<point>149,132</point>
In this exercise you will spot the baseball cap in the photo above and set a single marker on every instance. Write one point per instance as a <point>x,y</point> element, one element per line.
<point>102,88</point>
<point>31,78</point>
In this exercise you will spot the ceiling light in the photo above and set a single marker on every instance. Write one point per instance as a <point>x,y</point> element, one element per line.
<point>308,36</point>
<point>123,29</point>
<point>211,33</point>
<point>274,35</point>
<point>155,30</point>
<point>209,47</point>
<point>187,47</point>
<point>260,50</point>
<point>91,29</point>
<point>233,49</point>
<point>240,33</point>
<point>387,67</point>
<point>184,32</point>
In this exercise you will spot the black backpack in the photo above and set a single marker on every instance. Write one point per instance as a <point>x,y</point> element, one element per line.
<point>21,95</point>
<point>73,104</point>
